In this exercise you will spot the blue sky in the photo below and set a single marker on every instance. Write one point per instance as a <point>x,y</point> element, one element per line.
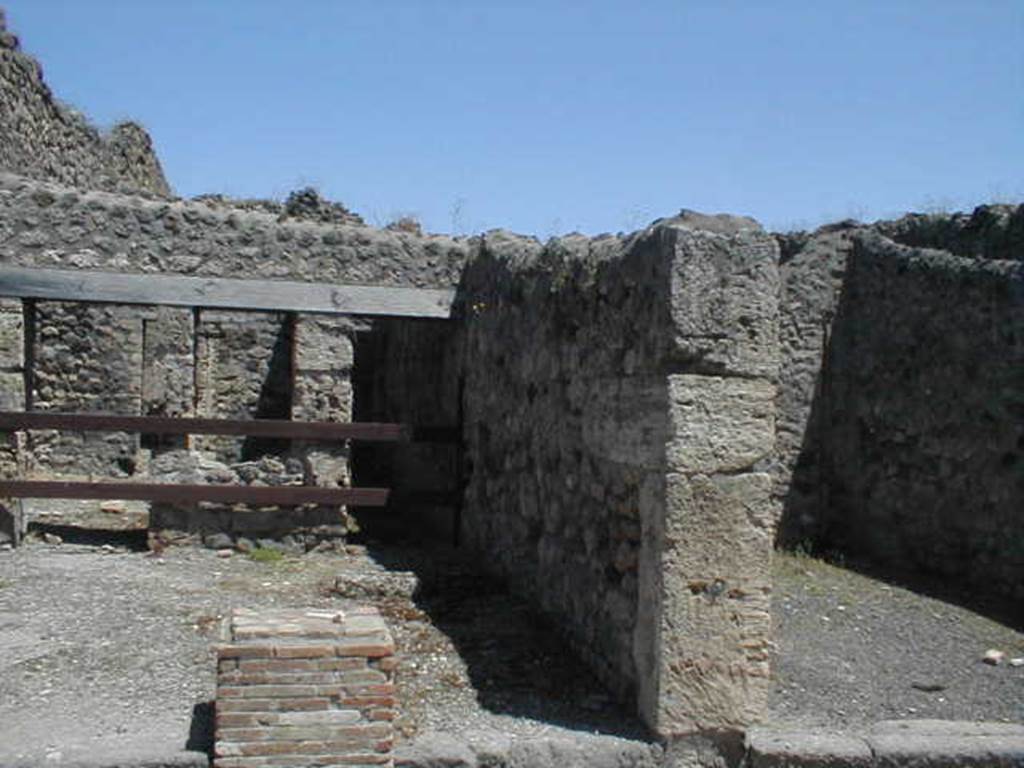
<point>548,117</point>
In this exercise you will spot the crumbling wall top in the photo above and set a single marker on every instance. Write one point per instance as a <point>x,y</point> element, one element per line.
<point>45,139</point>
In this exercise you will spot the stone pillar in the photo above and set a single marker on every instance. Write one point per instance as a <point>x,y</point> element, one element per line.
<point>168,366</point>
<point>243,371</point>
<point>298,687</point>
<point>705,561</point>
<point>322,391</point>
<point>12,398</point>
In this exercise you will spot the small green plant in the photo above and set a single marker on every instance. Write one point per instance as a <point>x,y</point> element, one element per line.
<point>265,555</point>
<point>4,583</point>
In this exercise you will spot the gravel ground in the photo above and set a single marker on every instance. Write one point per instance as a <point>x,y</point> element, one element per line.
<point>853,650</point>
<point>107,651</point>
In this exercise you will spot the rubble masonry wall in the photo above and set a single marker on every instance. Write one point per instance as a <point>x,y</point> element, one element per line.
<point>619,405</point>
<point>901,408</point>
<point>46,139</point>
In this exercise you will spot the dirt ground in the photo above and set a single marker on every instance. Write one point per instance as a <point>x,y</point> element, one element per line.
<point>107,650</point>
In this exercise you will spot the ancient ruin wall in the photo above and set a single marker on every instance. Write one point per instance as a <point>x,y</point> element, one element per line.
<point>179,361</point>
<point>988,232</point>
<point>618,402</point>
<point>49,225</point>
<point>44,139</point>
<point>811,284</point>
<point>900,436</point>
<point>925,384</point>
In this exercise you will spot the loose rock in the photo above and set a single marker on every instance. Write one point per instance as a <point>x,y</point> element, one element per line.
<point>994,657</point>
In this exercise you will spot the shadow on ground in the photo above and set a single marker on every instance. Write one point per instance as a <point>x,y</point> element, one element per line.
<point>200,730</point>
<point>516,662</point>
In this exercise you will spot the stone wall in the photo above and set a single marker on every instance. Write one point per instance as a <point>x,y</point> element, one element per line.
<point>44,139</point>
<point>900,408</point>
<point>243,370</point>
<point>926,405</point>
<point>49,225</point>
<point>85,358</point>
<point>812,281</point>
<point>241,363</point>
<point>988,232</point>
<point>618,408</point>
<point>177,361</point>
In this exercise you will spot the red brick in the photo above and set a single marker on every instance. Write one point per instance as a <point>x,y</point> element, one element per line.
<point>277,678</point>
<point>303,651</point>
<point>367,701</point>
<point>303,761</point>
<point>333,746</point>
<point>244,705</point>
<point>277,665</point>
<point>334,665</point>
<point>386,664</point>
<point>381,714</point>
<point>361,677</point>
<point>238,651</point>
<point>268,705</point>
<point>364,733</point>
<point>381,689</point>
<point>268,691</point>
<point>236,720</point>
<point>369,650</point>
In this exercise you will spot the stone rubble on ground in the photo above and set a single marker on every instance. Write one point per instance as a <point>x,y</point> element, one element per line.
<point>994,657</point>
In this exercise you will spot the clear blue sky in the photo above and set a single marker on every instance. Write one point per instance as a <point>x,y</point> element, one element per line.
<point>545,117</point>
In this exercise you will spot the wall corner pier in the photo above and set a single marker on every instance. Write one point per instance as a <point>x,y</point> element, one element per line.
<point>711,515</point>
<point>619,412</point>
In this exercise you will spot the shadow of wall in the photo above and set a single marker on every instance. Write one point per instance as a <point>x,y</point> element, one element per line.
<point>912,457</point>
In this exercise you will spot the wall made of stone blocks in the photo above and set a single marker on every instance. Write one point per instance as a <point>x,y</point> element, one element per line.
<point>619,404</point>
<point>322,360</point>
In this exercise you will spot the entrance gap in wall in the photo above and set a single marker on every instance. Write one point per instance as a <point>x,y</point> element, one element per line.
<point>406,372</point>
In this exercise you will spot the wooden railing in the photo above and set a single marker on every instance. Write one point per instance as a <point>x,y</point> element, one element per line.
<point>317,431</point>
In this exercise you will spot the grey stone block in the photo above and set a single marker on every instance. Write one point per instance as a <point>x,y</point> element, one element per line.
<point>12,334</point>
<point>323,343</point>
<point>724,302</point>
<point>719,424</point>
<point>946,744</point>
<point>773,748</point>
<point>12,391</point>
<point>715,567</point>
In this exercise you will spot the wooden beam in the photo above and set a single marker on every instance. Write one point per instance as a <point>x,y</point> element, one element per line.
<point>256,495</point>
<point>160,425</point>
<point>225,293</point>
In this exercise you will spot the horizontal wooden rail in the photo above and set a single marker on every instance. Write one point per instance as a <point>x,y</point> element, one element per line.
<point>291,430</point>
<point>256,495</point>
<point>225,293</point>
